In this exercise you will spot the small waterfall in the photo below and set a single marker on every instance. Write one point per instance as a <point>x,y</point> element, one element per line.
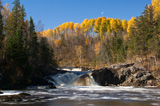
<point>72,79</point>
<point>63,79</point>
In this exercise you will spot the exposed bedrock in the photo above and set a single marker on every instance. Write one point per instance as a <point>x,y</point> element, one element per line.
<point>124,75</point>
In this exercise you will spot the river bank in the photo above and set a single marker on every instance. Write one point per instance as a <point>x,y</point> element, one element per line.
<point>126,74</point>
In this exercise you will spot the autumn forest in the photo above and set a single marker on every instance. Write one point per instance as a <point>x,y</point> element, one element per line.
<point>94,43</point>
<point>100,42</point>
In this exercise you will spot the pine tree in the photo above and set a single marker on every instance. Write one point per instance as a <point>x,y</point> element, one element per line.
<point>143,35</point>
<point>46,53</point>
<point>12,22</point>
<point>33,45</point>
<point>15,51</point>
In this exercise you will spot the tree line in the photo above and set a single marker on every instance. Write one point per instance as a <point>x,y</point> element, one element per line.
<point>103,41</point>
<point>23,55</point>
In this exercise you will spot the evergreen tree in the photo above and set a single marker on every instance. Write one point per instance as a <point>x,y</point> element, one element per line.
<point>13,21</point>
<point>16,12</point>
<point>46,53</point>
<point>15,51</point>
<point>143,34</point>
<point>33,46</point>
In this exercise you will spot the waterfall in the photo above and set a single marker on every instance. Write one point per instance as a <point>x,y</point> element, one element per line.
<point>72,79</point>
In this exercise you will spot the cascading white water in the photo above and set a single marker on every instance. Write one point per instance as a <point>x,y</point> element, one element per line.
<point>73,79</point>
<point>63,79</point>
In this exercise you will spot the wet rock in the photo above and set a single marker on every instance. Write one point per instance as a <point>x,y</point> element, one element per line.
<point>140,78</point>
<point>84,80</point>
<point>51,86</point>
<point>124,75</point>
<point>1,92</point>
<point>105,77</point>
<point>24,94</point>
<point>139,74</point>
<point>14,98</point>
<point>147,77</point>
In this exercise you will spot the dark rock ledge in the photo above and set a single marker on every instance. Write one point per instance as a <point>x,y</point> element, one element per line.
<point>124,75</point>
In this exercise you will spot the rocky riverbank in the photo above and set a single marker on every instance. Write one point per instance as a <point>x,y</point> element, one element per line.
<point>126,75</point>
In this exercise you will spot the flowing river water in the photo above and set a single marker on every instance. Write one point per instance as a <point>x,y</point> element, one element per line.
<point>81,90</point>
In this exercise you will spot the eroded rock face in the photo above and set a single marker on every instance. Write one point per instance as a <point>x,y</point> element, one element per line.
<point>124,75</point>
<point>141,78</point>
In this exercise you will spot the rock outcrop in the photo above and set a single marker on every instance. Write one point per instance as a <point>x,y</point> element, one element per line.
<point>124,75</point>
<point>106,77</point>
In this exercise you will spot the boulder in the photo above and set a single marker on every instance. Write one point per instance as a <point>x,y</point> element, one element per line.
<point>24,94</point>
<point>124,75</point>
<point>141,78</point>
<point>106,77</point>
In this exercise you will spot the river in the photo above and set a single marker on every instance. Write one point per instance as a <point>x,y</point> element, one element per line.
<point>90,96</point>
<point>68,93</point>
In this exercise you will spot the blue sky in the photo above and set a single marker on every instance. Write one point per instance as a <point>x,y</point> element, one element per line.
<point>55,12</point>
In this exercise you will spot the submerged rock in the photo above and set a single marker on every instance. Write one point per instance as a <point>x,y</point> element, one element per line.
<point>14,98</point>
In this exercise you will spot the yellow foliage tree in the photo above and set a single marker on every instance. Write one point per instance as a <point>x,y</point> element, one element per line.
<point>97,25</point>
<point>124,25</point>
<point>58,30</point>
<point>156,6</point>
<point>57,42</point>
<point>103,27</point>
<point>71,27</point>
<point>77,28</point>
<point>97,48</point>
<point>113,24</point>
<point>131,23</point>
<point>49,32</point>
<point>91,23</point>
<point>85,25</point>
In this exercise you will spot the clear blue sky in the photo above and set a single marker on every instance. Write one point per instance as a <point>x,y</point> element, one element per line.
<point>55,12</point>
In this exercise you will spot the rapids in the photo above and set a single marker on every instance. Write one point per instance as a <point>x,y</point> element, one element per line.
<point>80,89</point>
